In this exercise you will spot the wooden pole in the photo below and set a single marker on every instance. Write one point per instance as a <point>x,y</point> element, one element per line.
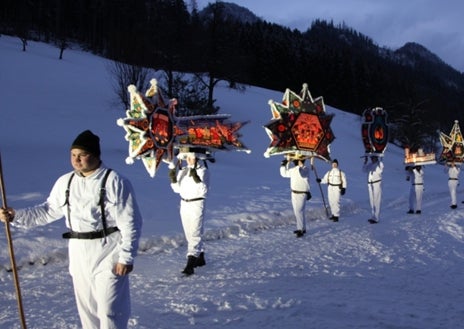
<point>320,188</point>
<point>10,248</point>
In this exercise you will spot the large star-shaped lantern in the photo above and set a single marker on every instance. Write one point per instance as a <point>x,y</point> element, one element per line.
<point>154,131</point>
<point>374,131</point>
<point>148,126</point>
<point>453,147</point>
<point>299,125</point>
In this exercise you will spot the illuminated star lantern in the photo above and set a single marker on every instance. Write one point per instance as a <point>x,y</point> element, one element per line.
<point>154,131</point>
<point>209,132</point>
<point>453,147</point>
<point>299,125</point>
<point>149,128</point>
<point>374,131</point>
<point>418,158</point>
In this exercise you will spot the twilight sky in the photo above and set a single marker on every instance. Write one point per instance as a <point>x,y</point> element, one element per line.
<point>437,25</point>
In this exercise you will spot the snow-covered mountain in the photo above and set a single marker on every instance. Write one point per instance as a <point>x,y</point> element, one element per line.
<point>404,272</point>
<point>231,11</point>
<point>413,50</point>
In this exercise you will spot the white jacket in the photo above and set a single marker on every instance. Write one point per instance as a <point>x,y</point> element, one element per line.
<point>334,177</point>
<point>187,187</point>
<point>85,215</point>
<point>299,177</point>
<point>374,171</point>
<point>453,172</point>
<point>416,176</point>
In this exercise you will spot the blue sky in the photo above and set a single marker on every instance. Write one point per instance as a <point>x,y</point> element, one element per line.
<point>437,25</point>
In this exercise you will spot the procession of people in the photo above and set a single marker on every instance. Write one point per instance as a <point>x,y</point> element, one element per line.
<point>104,223</point>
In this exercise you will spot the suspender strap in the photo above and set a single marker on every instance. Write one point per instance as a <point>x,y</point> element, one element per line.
<point>341,179</point>
<point>67,200</point>
<point>102,202</point>
<point>105,231</point>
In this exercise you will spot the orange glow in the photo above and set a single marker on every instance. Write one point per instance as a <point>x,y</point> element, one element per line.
<point>378,133</point>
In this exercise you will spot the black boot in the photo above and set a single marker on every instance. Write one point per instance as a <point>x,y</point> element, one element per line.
<point>191,261</point>
<point>200,260</point>
<point>300,233</point>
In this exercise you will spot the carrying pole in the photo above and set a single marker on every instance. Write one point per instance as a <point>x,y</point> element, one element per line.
<point>11,251</point>
<point>313,167</point>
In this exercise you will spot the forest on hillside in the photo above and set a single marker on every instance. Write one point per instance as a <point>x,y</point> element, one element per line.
<point>347,68</point>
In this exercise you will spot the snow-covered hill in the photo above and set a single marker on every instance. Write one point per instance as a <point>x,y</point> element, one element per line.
<point>402,273</point>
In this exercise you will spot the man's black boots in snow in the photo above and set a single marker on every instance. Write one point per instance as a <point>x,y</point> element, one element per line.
<point>191,262</point>
<point>200,260</point>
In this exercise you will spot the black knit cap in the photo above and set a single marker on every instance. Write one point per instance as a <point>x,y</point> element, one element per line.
<point>87,141</point>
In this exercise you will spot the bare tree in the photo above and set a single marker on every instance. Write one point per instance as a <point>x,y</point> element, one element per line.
<point>61,29</point>
<point>208,82</point>
<point>192,96</point>
<point>124,75</point>
<point>62,44</point>
<point>23,21</point>
<point>411,128</point>
<point>23,42</point>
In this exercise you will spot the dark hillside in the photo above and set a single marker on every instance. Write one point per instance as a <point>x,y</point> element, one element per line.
<point>229,42</point>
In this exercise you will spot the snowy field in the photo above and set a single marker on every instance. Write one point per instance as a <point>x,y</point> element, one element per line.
<point>404,273</point>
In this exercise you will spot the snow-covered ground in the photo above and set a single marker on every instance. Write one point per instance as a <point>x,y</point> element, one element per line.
<point>405,272</point>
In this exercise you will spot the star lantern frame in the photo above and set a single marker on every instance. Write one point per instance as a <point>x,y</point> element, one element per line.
<point>374,131</point>
<point>154,132</point>
<point>299,125</point>
<point>149,128</point>
<point>453,145</point>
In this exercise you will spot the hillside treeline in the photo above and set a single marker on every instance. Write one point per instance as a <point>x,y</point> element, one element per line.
<point>347,68</point>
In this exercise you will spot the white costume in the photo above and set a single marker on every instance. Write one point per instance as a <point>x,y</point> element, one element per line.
<point>374,184</point>
<point>453,182</point>
<point>193,196</point>
<point>416,177</point>
<point>336,180</point>
<point>299,184</point>
<point>102,297</point>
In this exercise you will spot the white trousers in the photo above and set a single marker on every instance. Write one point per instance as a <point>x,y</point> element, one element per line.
<point>102,298</point>
<point>191,214</point>
<point>333,194</point>
<point>453,186</point>
<point>299,207</point>
<point>375,197</point>
<point>415,197</point>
